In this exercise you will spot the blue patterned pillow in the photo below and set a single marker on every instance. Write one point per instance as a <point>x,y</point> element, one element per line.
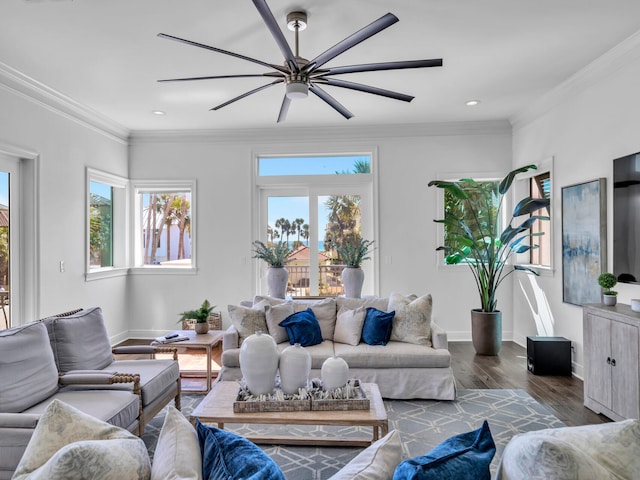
<point>303,328</point>
<point>226,455</point>
<point>464,457</point>
<point>377,326</point>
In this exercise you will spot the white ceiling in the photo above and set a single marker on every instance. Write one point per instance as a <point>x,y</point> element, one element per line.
<point>105,55</point>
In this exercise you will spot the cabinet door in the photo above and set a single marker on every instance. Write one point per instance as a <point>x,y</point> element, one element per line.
<point>624,374</point>
<point>597,350</point>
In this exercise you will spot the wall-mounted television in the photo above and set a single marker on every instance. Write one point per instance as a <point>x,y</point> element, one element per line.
<point>626,218</point>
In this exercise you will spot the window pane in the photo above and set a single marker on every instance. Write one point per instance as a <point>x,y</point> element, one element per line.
<point>349,164</point>
<point>540,187</point>
<point>166,228</point>
<point>100,225</point>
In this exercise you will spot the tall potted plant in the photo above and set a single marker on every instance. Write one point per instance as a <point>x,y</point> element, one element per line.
<point>475,237</point>
<point>353,253</point>
<point>276,256</point>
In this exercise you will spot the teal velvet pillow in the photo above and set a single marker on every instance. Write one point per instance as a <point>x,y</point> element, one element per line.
<point>303,328</point>
<point>227,456</point>
<point>464,457</point>
<point>377,326</point>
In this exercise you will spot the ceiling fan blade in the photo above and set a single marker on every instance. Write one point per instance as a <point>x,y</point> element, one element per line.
<point>367,89</point>
<point>225,52</point>
<point>246,94</point>
<point>277,34</point>
<point>331,101</point>
<point>286,101</point>
<point>372,67</point>
<point>214,77</point>
<point>351,41</point>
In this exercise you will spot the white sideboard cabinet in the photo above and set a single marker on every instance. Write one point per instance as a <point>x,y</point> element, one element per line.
<point>612,360</point>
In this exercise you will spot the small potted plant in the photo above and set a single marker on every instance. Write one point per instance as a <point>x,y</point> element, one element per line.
<point>607,281</point>
<point>201,316</point>
<point>353,253</point>
<point>276,256</point>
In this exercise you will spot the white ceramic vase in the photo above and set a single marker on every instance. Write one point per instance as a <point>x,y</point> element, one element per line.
<point>352,280</point>
<point>259,363</point>
<point>277,279</point>
<point>334,373</point>
<point>295,366</point>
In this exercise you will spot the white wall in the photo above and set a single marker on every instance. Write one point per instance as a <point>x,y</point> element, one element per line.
<point>64,148</point>
<point>409,157</point>
<point>584,124</point>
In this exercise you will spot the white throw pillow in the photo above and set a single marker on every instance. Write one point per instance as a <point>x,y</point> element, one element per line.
<point>248,320</point>
<point>68,443</point>
<point>412,321</point>
<point>275,314</point>
<point>177,454</point>
<point>349,326</point>
<point>376,462</point>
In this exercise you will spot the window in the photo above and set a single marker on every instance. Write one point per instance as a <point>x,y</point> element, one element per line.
<point>314,203</point>
<point>106,218</point>
<point>540,187</point>
<point>164,224</point>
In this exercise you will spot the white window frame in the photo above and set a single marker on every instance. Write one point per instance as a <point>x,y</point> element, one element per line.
<point>120,225</point>
<point>362,184</point>
<point>140,187</point>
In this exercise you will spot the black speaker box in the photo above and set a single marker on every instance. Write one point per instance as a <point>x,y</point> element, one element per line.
<point>549,355</point>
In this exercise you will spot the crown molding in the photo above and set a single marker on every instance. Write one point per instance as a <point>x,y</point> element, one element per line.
<point>599,69</point>
<point>18,83</point>
<point>293,135</point>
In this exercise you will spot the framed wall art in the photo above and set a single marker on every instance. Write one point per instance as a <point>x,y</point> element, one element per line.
<point>584,241</point>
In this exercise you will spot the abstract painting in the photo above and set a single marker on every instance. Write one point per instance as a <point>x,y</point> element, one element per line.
<point>584,241</point>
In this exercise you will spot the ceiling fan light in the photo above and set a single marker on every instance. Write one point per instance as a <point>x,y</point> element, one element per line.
<point>297,90</point>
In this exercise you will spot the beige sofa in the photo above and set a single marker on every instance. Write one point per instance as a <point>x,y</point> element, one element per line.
<point>402,369</point>
<point>70,358</point>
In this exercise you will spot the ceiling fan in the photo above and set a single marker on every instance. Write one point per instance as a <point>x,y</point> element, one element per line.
<point>300,75</point>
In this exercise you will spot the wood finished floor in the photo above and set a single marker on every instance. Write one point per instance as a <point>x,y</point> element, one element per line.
<point>508,370</point>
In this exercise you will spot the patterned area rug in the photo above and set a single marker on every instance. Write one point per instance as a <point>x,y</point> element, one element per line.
<point>422,425</point>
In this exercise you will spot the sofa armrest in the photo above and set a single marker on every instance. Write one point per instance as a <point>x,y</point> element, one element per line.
<point>439,337</point>
<point>19,420</point>
<point>84,377</point>
<point>145,350</point>
<point>230,338</point>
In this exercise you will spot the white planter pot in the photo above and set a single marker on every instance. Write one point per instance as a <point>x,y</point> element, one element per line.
<point>352,280</point>
<point>295,366</point>
<point>277,279</point>
<point>334,373</point>
<point>259,363</point>
<point>609,300</point>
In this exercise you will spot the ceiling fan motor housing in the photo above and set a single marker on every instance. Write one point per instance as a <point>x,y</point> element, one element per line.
<point>297,85</point>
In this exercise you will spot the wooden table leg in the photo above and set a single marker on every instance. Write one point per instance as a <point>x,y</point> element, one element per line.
<point>208,368</point>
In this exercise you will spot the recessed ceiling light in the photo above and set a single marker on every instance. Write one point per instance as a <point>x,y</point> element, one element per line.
<point>158,112</point>
<point>472,103</point>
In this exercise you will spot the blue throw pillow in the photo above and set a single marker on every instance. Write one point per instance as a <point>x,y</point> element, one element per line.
<point>227,456</point>
<point>303,328</point>
<point>377,326</point>
<point>465,456</point>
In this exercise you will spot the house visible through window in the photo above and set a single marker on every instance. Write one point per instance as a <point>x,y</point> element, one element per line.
<point>315,204</point>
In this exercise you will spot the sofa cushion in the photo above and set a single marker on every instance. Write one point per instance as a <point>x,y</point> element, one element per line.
<point>464,457</point>
<point>80,341</point>
<point>226,455</point>
<point>248,320</point>
<point>303,328</point>
<point>377,326</point>
<point>325,312</point>
<point>349,326</point>
<point>376,462</point>
<point>28,373</point>
<point>68,443</point>
<point>590,452</point>
<point>156,376</point>
<point>381,303</point>
<point>412,322</point>
<point>274,315</point>
<point>177,455</point>
<point>393,355</point>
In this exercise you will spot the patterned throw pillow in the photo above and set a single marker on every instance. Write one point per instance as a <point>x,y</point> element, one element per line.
<point>412,323</point>
<point>248,320</point>
<point>67,441</point>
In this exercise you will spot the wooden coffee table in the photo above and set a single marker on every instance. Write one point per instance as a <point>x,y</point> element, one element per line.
<point>217,408</point>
